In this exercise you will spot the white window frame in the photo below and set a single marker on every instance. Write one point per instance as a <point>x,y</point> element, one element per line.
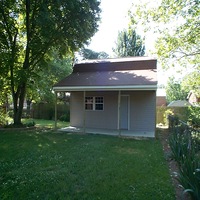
<point>94,103</point>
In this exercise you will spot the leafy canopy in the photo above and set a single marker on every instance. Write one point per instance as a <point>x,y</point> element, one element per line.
<point>175,91</point>
<point>90,54</point>
<point>31,30</point>
<point>129,44</point>
<point>176,23</point>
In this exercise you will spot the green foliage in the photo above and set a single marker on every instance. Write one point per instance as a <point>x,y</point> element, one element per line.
<point>176,24</point>
<point>90,54</point>
<point>181,147</point>
<point>185,147</point>
<point>40,85</point>
<point>25,125</point>
<point>191,82</point>
<point>31,31</point>
<point>4,118</point>
<point>194,116</point>
<point>175,91</point>
<point>160,115</point>
<point>189,176</point>
<point>43,164</point>
<point>65,117</point>
<point>129,44</point>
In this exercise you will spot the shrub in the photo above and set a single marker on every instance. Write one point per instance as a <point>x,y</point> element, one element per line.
<point>30,124</point>
<point>4,118</point>
<point>194,116</point>
<point>65,117</point>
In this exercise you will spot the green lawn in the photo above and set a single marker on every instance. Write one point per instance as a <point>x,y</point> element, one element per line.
<point>48,165</point>
<point>42,123</point>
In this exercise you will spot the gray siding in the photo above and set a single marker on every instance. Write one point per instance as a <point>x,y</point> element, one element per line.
<point>94,119</point>
<point>76,109</point>
<point>142,112</point>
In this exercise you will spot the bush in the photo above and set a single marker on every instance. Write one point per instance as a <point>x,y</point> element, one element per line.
<point>4,118</point>
<point>160,115</point>
<point>65,117</point>
<point>30,124</point>
<point>194,116</point>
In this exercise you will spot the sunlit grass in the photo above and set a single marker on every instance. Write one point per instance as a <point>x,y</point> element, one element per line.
<point>49,165</point>
<point>42,123</point>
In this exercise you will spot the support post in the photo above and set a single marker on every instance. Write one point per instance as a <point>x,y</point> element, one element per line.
<point>119,112</point>
<point>84,112</point>
<point>56,110</point>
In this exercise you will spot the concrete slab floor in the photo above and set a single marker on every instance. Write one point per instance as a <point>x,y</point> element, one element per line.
<point>123,133</point>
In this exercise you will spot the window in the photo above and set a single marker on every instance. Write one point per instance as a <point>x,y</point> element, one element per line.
<point>88,103</point>
<point>93,103</point>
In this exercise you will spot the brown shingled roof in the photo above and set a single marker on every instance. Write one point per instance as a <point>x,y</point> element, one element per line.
<point>132,72</point>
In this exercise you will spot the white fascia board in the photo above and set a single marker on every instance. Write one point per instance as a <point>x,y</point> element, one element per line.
<point>105,88</point>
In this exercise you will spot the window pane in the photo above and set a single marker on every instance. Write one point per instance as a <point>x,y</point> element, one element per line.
<point>89,106</point>
<point>99,100</point>
<point>89,103</point>
<point>98,106</point>
<point>88,99</point>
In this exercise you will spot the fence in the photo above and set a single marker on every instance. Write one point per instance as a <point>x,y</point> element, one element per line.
<point>180,127</point>
<point>47,111</point>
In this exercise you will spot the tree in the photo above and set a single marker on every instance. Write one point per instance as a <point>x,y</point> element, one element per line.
<point>176,23</point>
<point>175,91</point>
<point>129,44</point>
<point>191,82</point>
<point>31,30</point>
<point>90,54</point>
<point>40,86</point>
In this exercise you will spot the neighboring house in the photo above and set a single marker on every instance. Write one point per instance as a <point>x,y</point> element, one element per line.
<point>113,94</point>
<point>179,103</point>
<point>161,101</point>
<point>194,97</point>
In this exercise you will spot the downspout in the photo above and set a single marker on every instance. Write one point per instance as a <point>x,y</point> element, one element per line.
<point>56,110</point>
<point>119,112</point>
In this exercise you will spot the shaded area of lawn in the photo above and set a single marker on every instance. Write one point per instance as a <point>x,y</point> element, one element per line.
<point>42,123</point>
<point>50,165</point>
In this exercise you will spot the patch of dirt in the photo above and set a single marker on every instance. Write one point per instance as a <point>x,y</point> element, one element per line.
<point>163,136</point>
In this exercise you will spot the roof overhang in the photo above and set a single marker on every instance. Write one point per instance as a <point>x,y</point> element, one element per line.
<point>106,88</point>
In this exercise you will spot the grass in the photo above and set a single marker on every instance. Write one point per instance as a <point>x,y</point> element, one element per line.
<point>42,123</point>
<point>45,164</point>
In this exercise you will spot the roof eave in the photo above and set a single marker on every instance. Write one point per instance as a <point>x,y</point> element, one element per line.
<point>105,88</point>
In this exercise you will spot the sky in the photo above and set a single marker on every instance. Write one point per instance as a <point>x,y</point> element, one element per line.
<point>114,18</point>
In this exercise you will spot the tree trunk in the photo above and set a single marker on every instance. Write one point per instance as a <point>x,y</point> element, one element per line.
<point>18,100</point>
<point>19,96</point>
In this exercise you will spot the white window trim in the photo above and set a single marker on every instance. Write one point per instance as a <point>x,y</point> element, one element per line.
<point>94,103</point>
